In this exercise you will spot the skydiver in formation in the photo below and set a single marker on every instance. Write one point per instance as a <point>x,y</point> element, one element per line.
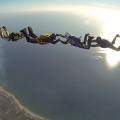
<point>42,39</point>
<point>10,36</point>
<point>76,41</point>
<point>47,38</point>
<point>103,43</point>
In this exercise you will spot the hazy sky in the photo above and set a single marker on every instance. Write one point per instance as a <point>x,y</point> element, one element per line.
<point>35,2</point>
<point>6,5</point>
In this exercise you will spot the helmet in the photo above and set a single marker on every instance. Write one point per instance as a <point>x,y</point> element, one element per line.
<point>98,39</point>
<point>53,36</point>
<point>67,35</point>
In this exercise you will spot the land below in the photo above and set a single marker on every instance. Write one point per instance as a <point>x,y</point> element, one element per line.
<point>11,109</point>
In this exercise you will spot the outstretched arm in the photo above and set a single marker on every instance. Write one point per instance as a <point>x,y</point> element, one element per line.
<point>94,41</point>
<point>56,41</point>
<point>63,42</point>
<point>61,35</point>
<point>96,45</point>
<point>18,36</point>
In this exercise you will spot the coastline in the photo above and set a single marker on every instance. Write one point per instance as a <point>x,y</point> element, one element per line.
<point>11,109</point>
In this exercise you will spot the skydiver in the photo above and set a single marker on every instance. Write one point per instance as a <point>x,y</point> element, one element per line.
<point>10,36</point>
<point>75,41</point>
<point>43,39</point>
<point>103,43</point>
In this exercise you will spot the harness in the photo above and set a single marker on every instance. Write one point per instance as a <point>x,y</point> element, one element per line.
<point>42,37</point>
<point>15,36</point>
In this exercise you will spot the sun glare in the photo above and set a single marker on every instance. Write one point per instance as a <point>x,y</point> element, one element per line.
<point>111,28</point>
<point>112,58</point>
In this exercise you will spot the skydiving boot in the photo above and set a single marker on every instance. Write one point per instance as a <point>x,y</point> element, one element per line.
<point>31,32</point>
<point>117,35</point>
<point>85,38</point>
<point>7,32</point>
<point>113,42</point>
<point>89,41</point>
<point>23,31</point>
<point>1,33</point>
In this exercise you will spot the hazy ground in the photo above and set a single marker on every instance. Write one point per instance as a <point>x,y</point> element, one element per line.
<point>60,82</point>
<point>11,109</point>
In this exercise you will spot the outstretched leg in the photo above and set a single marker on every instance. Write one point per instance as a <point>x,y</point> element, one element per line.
<point>6,30</point>
<point>31,32</point>
<point>1,33</point>
<point>24,32</point>
<point>85,38</point>
<point>89,43</point>
<point>114,48</point>
<point>113,42</point>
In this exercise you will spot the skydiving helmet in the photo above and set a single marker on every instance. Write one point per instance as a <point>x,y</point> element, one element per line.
<point>67,35</point>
